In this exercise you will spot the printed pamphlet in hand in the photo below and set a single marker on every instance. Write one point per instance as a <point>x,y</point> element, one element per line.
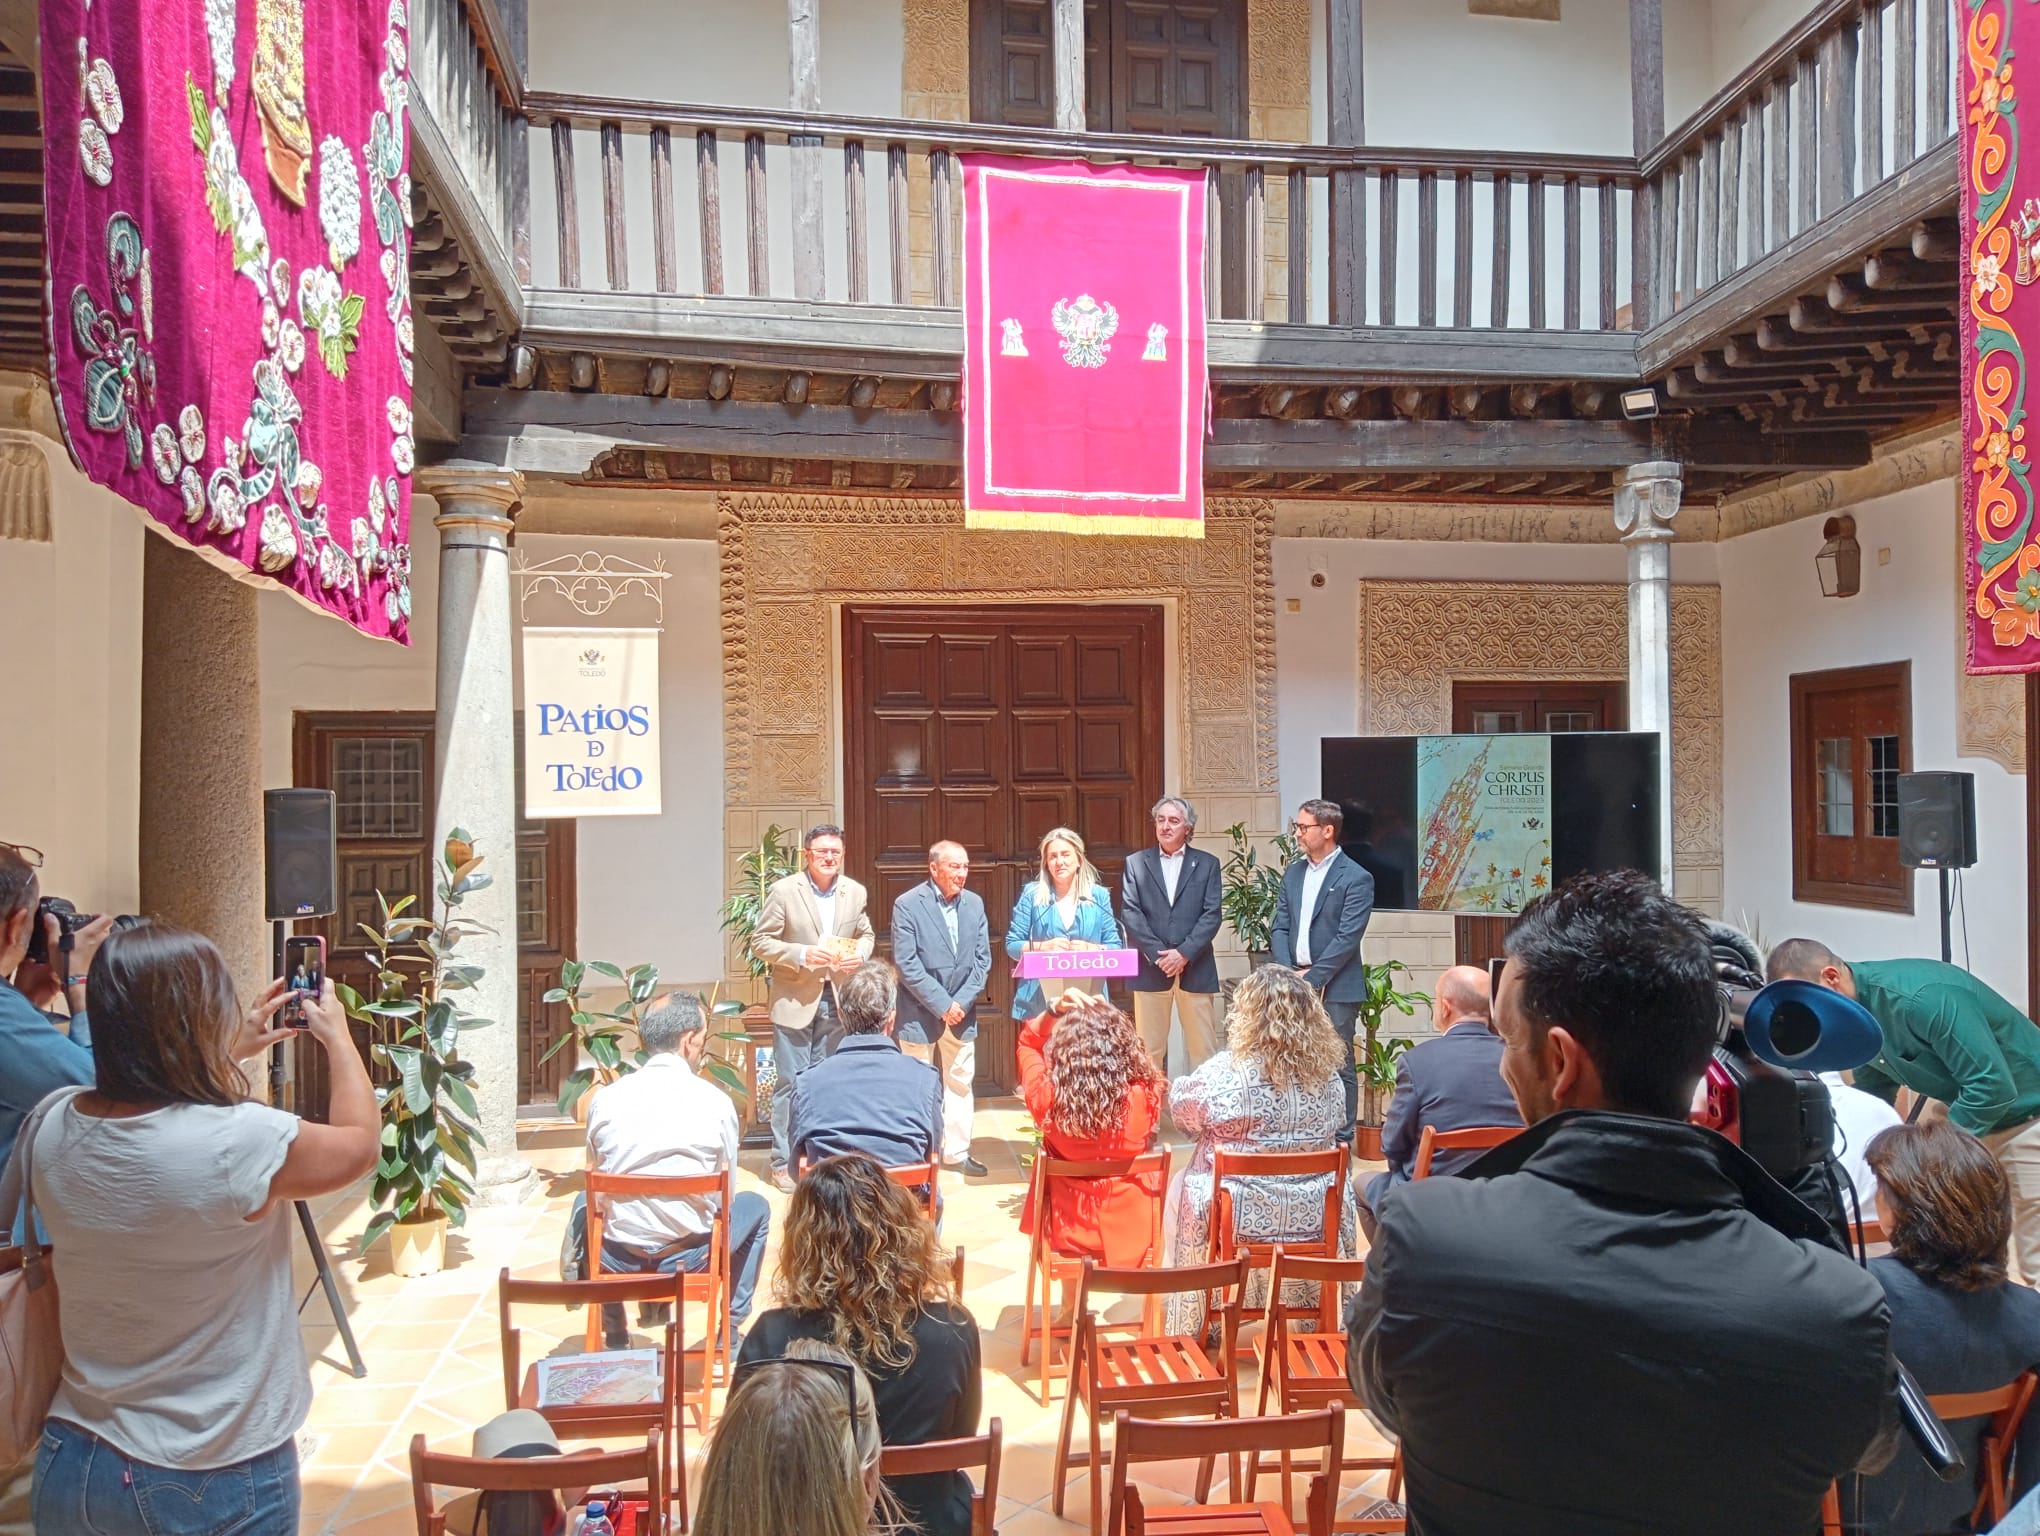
<point>603,1377</point>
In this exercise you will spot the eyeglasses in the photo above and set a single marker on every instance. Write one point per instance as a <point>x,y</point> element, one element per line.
<point>841,1370</point>
<point>1305,826</point>
<point>32,857</point>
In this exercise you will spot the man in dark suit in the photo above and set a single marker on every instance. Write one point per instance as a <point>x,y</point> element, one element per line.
<point>869,1096</point>
<point>1453,1083</point>
<point>1169,904</point>
<point>943,947</point>
<point>1319,918</point>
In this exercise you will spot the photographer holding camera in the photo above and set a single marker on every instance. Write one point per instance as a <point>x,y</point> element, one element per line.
<point>36,1057</point>
<point>1617,1321</point>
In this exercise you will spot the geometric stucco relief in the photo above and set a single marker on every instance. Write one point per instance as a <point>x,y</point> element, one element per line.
<point>1418,637</point>
<point>788,562</point>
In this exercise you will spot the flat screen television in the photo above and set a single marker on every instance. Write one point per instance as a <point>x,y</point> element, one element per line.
<point>1485,824</point>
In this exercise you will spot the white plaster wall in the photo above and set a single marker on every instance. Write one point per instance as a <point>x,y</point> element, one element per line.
<point>71,715</point>
<point>647,886</point>
<point>1743,29</point>
<point>1775,623</point>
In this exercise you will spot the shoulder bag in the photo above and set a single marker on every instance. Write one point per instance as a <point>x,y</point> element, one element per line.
<point>31,1344</point>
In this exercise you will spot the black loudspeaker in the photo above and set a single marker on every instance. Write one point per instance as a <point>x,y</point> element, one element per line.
<point>1937,820</point>
<point>300,862</point>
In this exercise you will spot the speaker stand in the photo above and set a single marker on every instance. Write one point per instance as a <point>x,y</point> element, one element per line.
<point>355,1366</point>
<point>1947,911</point>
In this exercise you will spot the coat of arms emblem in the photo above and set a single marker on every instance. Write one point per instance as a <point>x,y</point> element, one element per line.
<point>1086,329</point>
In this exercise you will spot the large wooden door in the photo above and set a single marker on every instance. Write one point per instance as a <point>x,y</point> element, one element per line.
<point>1504,708</point>
<point>381,771</point>
<point>989,729</point>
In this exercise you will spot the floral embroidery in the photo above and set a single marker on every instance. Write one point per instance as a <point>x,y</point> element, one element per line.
<point>191,434</point>
<point>191,486</point>
<point>271,433</point>
<point>219,29</point>
<point>120,373</point>
<point>94,153</point>
<point>279,539</point>
<point>339,201</point>
<point>278,80</point>
<point>335,318</point>
<point>400,426</point>
<point>163,452</point>
<point>290,345</point>
<point>102,90</point>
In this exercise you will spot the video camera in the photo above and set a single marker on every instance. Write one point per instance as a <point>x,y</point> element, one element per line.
<point>69,921</point>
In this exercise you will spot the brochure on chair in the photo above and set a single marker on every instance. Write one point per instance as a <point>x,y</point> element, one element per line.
<point>610,1376</point>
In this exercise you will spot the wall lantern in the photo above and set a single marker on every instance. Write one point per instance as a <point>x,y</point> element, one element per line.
<point>1840,561</point>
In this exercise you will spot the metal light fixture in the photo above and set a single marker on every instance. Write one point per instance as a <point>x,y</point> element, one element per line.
<point>1639,404</point>
<point>1840,561</point>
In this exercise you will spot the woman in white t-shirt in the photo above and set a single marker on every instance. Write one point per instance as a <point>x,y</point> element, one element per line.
<point>166,1192</point>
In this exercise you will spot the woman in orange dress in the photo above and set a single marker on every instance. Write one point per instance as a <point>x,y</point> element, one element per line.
<point>1097,1097</point>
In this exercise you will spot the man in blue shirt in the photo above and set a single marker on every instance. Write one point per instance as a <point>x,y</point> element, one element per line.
<point>37,1058</point>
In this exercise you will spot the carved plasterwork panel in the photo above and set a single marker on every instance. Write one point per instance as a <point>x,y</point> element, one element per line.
<point>1418,637</point>
<point>787,561</point>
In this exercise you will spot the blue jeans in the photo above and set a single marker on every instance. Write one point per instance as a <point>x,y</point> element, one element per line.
<point>84,1487</point>
<point>750,1220</point>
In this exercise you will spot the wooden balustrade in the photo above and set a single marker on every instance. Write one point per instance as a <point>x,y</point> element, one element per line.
<point>1857,92</point>
<point>468,133</point>
<point>1436,228</point>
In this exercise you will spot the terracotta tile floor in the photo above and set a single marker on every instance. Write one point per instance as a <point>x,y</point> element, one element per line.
<point>432,1353</point>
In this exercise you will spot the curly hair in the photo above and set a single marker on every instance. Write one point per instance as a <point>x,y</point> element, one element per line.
<point>1279,1022</point>
<point>1095,1057</point>
<point>1951,1203</point>
<point>859,1250</point>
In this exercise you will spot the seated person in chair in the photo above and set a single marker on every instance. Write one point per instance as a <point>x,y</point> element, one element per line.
<point>667,1119</point>
<point>1453,1083</point>
<point>870,1096</point>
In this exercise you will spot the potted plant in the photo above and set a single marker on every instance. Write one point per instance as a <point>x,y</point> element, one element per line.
<point>430,1120</point>
<point>1374,1058</point>
<point>772,860</point>
<point>600,1036</point>
<point>1251,890</point>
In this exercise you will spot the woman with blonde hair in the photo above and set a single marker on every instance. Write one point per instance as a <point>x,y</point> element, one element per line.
<point>860,1268</point>
<point>1274,1088</point>
<point>1064,907</point>
<point>1096,1094</point>
<point>796,1451</point>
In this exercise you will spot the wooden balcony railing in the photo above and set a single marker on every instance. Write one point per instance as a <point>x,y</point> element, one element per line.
<point>1858,93</point>
<point>700,200</point>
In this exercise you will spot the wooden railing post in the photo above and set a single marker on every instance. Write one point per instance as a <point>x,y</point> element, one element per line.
<point>708,192</point>
<point>615,246</point>
<point>804,150</point>
<point>1647,129</point>
<point>567,212</point>
<point>1346,121</point>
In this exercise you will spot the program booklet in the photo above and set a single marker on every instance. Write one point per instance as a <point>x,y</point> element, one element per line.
<point>607,1376</point>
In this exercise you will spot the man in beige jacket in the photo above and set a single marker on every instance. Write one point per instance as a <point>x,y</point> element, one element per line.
<point>813,929</point>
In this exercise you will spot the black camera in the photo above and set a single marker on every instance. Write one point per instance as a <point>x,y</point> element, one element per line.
<point>69,921</point>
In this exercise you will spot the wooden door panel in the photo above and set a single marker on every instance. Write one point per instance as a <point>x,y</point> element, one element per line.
<point>905,748</point>
<point>974,820</point>
<point>1110,820</point>
<point>968,672</point>
<point>1041,746</point>
<point>1103,676</point>
<point>900,671</point>
<point>903,825</point>
<point>969,752</point>
<point>1040,812</point>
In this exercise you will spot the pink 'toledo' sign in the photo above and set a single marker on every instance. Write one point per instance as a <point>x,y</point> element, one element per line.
<point>1077,964</point>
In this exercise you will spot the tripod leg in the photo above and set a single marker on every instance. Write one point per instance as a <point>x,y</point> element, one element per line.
<point>340,1322</point>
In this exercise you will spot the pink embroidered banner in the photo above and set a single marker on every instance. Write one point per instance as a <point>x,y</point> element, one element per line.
<point>2000,214</point>
<point>1083,364</point>
<point>230,322</point>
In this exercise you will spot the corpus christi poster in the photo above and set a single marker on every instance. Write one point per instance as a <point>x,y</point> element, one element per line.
<point>1484,803</point>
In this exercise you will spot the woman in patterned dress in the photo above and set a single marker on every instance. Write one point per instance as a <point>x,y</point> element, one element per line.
<point>1274,1088</point>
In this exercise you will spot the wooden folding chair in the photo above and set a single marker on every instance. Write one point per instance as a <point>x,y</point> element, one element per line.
<point>1160,1375</point>
<point>954,1456</point>
<point>2006,1406</point>
<point>1305,1371</point>
<point>592,1470</point>
<point>711,1285</point>
<point>918,1177</point>
<point>1138,1440</point>
<point>1052,1268</point>
<point>583,1421</point>
<point>1473,1138</point>
<point>1225,1239</point>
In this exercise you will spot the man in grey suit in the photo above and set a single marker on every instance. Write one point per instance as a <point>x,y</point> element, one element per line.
<point>1169,902</point>
<point>1322,912</point>
<point>1452,1083</point>
<point>943,948</point>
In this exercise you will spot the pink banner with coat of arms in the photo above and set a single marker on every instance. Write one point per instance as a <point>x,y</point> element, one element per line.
<point>229,283</point>
<point>2000,221</point>
<point>1085,395</point>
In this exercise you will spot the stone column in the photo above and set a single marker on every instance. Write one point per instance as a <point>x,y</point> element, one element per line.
<point>475,745</point>
<point>200,852</point>
<point>1646,502</point>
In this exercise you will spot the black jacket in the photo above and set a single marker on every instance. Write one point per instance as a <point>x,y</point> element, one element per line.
<point>1619,1324</point>
<point>1188,924</point>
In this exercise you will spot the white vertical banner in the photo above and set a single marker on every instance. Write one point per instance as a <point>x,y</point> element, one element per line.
<point>591,722</point>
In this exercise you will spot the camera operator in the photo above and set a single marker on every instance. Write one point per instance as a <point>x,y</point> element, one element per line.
<point>36,1057</point>
<point>1617,1321</point>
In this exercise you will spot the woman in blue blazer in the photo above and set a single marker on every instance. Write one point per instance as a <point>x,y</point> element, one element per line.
<point>1066,908</point>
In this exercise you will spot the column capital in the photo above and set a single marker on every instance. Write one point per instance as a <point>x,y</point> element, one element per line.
<point>1646,500</point>
<point>471,494</point>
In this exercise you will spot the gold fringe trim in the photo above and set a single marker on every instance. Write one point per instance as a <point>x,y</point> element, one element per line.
<point>1087,524</point>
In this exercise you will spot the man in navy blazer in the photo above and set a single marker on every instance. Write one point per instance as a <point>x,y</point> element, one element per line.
<point>1452,1083</point>
<point>1319,918</point>
<point>1169,904</point>
<point>868,1097</point>
<point>943,948</point>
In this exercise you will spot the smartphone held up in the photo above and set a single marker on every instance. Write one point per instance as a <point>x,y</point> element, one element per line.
<point>304,969</point>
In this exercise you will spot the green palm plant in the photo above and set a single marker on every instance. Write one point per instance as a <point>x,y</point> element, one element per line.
<point>600,1035</point>
<point>1375,1057</point>
<point>774,858</point>
<point>1251,889</point>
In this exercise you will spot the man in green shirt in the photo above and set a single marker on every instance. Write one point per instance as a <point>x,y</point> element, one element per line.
<point>1952,1039</point>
